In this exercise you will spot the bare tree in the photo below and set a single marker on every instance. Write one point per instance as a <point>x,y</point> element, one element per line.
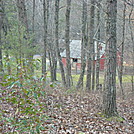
<point>90,49</point>
<point>92,44</point>
<point>132,38</point>
<point>122,51</point>
<point>57,41</point>
<point>67,42</point>
<point>33,18</point>
<point>1,23</point>
<point>84,44</point>
<point>45,13</point>
<point>109,100</point>
<point>98,49</point>
<point>22,17</point>
<point>51,44</point>
<point>22,13</point>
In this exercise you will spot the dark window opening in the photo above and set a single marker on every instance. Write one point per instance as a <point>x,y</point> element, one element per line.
<point>75,60</point>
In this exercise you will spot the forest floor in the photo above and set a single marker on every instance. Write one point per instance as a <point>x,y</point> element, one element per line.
<point>65,112</point>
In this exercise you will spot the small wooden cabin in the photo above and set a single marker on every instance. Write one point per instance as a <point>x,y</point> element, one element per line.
<point>75,54</point>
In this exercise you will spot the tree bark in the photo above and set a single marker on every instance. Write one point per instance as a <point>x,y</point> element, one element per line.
<point>52,61</point>
<point>57,41</point>
<point>92,43</point>
<point>83,45</point>
<point>51,46</point>
<point>109,100</point>
<point>122,51</point>
<point>1,64</point>
<point>67,42</point>
<point>45,13</point>
<point>1,25</point>
<point>132,38</point>
<point>22,16</point>
<point>33,19</point>
<point>22,13</point>
<point>90,53</point>
<point>98,50</point>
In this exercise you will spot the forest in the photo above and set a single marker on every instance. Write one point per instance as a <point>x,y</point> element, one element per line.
<point>66,66</point>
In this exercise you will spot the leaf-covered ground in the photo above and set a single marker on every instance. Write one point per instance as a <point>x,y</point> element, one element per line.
<point>61,112</point>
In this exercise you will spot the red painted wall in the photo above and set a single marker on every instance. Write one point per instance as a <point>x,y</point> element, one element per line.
<point>102,61</point>
<point>118,58</point>
<point>78,65</point>
<point>64,62</point>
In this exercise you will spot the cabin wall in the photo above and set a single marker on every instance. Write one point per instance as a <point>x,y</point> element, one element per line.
<point>102,62</point>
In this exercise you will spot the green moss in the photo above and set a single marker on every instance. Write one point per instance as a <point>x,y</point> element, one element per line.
<point>115,118</point>
<point>101,114</point>
<point>81,133</point>
<point>58,106</point>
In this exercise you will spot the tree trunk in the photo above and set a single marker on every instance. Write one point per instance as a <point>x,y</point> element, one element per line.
<point>132,38</point>
<point>22,16</point>
<point>1,64</point>
<point>109,100</point>
<point>1,23</point>
<point>90,53</point>
<point>122,51</point>
<point>50,42</point>
<point>67,42</point>
<point>22,13</point>
<point>45,12</point>
<point>57,42</point>
<point>33,19</point>
<point>83,45</point>
<point>53,62</point>
<point>8,63</point>
<point>98,50</point>
<point>92,43</point>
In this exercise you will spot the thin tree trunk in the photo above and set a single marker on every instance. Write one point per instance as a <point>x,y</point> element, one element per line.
<point>1,23</point>
<point>53,62</point>
<point>67,42</point>
<point>98,49</point>
<point>132,38</point>
<point>92,44</point>
<point>45,12</point>
<point>109,100</point>
<point>90,53</point>
<point>50,63</point>
<point>22,13</point>
<point>55,68</point>
<point>51,44</point>
<point>20,51</point>
<point>30,56</point>
<point>83,45</point>
<point>33,19</point>
<point>22,17</point>
<point>8,63</point>
<point>122,51</point>
<point>1,64</point>
<point>57,42</point>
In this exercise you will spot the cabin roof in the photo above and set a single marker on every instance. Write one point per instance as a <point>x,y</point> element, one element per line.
<point>75,49</point>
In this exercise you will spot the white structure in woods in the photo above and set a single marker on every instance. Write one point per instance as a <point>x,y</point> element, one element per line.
<point>75,49</point>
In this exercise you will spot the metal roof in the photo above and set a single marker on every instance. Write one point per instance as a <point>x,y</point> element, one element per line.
<point>75,49</point>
